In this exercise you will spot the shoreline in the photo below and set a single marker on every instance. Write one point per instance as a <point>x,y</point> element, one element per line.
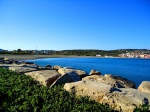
<point>32,57</point>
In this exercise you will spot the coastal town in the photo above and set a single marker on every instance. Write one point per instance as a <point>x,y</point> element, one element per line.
<point>123,53</point>
<point>136,54</point>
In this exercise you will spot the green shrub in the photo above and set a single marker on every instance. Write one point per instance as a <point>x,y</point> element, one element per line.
<point>142,108</point>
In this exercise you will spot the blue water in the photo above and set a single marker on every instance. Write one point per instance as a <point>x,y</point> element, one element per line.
<point>137,70</point>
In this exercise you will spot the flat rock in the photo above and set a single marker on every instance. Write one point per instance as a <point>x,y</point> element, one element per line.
<point>57,67</point>
<point>144,86</point>
<point>9,65</point>
<point>95,90</point>
<point>44,77</point>
<point>22,69</point>
<point>126,100</point>
<point>63,71</point>
<point>122,99</point>
<point>114,81</point>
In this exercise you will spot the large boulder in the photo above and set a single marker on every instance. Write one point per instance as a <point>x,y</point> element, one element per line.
<point>95,90</point>
<point>144,86</point>
<point>44,77</point>
<point>121,82</point>
<point>126,100</point>
<point>66,78</point>
<point>6,59</point>
<point>114,81</point>
<point>63,71</point>
<point>122,99</point>
<point>94,72</point>
<point>57,67</point>
<point>16,62</point>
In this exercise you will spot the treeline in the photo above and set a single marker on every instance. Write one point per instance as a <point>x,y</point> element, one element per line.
<point>89,52</point>
<point>19,53</point>
<point>114,53</point>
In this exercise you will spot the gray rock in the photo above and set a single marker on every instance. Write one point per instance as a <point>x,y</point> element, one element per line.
<point>144,86</point>
<point>48,66</point>
<point>9,65</point>
<point>1,59</point>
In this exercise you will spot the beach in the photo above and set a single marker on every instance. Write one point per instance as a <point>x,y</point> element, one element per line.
<point>30,57</point>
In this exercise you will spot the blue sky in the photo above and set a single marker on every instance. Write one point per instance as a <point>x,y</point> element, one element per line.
<point>74,24</point>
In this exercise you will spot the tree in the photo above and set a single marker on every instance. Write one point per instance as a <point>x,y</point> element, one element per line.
<point>19,50</point>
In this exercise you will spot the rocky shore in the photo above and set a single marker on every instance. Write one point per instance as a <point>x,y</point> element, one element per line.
<point>116,91</point>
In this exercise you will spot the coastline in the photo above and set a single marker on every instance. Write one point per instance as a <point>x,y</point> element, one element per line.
<point>50,76</point>
<point>32,57</point>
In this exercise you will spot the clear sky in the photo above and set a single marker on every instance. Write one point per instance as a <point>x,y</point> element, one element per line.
<point>74,24</point>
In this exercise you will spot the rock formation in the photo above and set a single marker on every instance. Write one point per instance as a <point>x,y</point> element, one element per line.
<point>144,86</point>
<point>44,77</point>
<point>122,99</point>
<point>94,72</point>
<point>80,73</point>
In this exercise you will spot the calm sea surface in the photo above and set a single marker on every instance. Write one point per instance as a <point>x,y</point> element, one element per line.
<point>137,70</point>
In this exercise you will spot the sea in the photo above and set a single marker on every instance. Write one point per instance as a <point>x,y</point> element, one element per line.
<point>134,69</point>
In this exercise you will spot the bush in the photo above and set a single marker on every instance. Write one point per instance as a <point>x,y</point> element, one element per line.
<point>142,108</point>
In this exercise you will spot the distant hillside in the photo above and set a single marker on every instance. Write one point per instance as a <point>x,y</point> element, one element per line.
<point>133,49</point>
<point>93,52</point>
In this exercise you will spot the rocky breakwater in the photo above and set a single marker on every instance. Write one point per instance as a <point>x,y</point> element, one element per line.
<point>48,76</point>
<point>116,91</point>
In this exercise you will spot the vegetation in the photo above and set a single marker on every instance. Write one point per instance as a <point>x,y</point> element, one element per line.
<point>21,93</point>
<point>142,108</point>
<point>90,52</point>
